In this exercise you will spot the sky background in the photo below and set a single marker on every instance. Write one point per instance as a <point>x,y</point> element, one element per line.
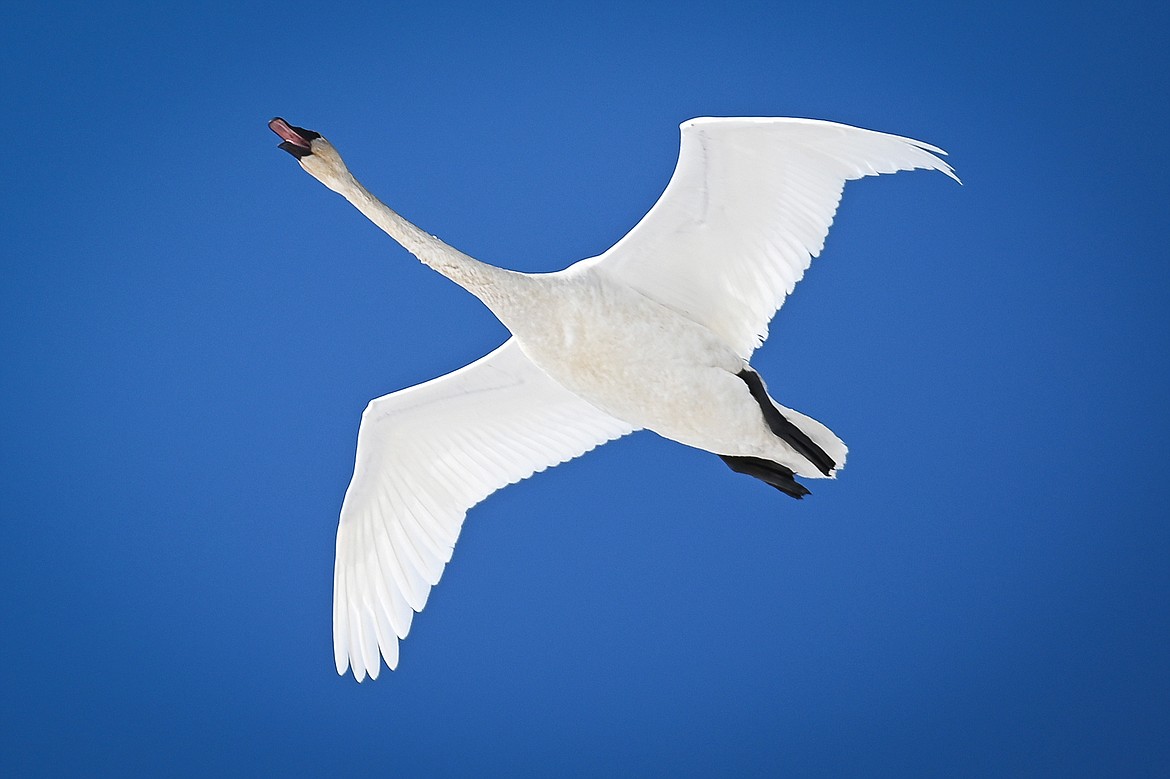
<point>190,328</point>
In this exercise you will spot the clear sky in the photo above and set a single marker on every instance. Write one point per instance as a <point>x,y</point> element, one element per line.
<point>190,327</point>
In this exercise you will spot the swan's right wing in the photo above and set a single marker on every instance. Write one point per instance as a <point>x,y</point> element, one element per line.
<point>425,455</point>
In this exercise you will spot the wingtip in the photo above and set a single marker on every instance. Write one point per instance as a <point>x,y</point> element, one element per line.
<point>945,168</point>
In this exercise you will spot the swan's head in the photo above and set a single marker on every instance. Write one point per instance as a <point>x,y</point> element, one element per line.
<point>315,154</point>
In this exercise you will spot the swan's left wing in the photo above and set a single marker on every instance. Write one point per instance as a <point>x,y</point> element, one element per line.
<point>425,455</point>
<point>748,207</point>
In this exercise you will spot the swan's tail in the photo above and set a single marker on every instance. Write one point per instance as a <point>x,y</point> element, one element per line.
<point>811,440</point>
<point>821,437</point>
<point>814,443</point>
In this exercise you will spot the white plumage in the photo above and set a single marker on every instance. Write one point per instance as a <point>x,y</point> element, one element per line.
<point>425,455</point>
<point>655,333</point>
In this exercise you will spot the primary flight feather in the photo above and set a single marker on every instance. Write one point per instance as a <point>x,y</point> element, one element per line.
<point>653,334</point>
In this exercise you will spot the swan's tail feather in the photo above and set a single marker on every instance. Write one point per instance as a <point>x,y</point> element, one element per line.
<point>824,438</point>
<point>769,472</point>
<point>784,425</point>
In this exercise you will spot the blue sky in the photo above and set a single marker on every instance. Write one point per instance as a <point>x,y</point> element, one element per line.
<point>190,328</point>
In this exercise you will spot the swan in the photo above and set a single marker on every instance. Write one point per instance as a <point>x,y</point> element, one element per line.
<point>656,333</point>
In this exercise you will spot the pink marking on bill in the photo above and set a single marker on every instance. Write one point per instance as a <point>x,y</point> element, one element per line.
<point>286,132</point>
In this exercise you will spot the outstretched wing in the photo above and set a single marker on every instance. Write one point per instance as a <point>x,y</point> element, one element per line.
<point>425,455</point>
<point>748,207</point>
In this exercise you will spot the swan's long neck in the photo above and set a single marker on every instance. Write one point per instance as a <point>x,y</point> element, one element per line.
<point>496,287</point>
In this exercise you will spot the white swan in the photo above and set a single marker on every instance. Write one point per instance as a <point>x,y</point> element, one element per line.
<point>655,333</point>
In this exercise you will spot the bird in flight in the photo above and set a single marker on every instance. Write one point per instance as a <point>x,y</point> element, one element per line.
<point>656,334</point>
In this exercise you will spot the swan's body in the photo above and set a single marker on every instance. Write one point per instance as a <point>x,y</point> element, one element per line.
<point>655,333</point>
<point>641,362</point>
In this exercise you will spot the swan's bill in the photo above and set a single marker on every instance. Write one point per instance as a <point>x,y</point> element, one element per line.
<point>297,140</point>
